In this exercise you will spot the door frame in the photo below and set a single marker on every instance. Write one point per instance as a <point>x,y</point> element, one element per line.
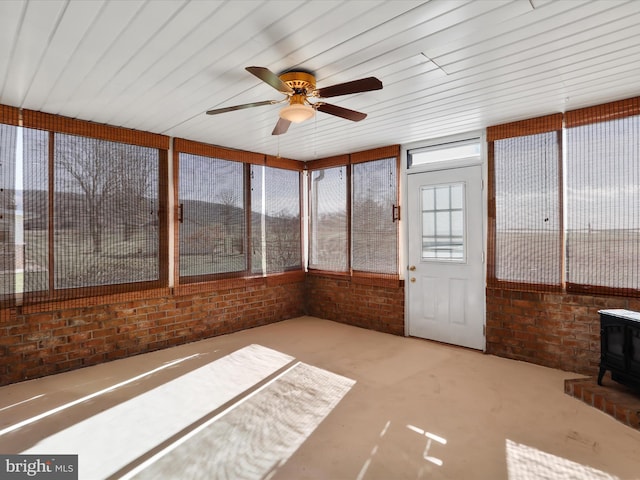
<point>444,165</point>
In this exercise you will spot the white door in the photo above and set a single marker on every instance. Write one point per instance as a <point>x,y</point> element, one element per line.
<point>446,286</point>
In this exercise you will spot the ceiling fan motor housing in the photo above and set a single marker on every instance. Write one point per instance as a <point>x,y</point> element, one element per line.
<point>301,82</point>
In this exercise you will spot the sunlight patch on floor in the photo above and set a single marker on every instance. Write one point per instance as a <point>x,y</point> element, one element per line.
<point>35,397</point>
<point>431,437</point>
<point>110,440</point>
<point>529,463</point>
<point>254,437</point>
<point>86,398</point>
<point>374,450</point>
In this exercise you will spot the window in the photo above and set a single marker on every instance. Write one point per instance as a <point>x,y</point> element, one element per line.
<point>106,224</point>
<point>527,210</point>
<point>443,222</point>
<point>239,213</point>
<point>464,149</point>
<point>353,214</point>
<point>11,264</point>
<point>571,222</point>
<point>33,228</point>
<point>329,220</point>
<point>81,209</point>
<point>275,220</point>
<point>374,229</point>
<point>24,215</point>
<point>213,216</point>
<point>603,204</point>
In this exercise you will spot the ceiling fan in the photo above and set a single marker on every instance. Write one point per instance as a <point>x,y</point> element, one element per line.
<point>299,87</point>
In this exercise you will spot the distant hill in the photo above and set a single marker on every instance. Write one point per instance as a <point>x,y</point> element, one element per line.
<point>70,211</point>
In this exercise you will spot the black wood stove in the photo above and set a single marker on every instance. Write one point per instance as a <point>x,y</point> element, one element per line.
<point>620,346</point>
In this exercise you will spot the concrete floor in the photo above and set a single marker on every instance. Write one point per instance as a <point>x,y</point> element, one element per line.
<point>417,409</point>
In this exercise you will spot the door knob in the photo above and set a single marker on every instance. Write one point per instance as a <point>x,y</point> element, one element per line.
<point>413,279</point>
<point>412,268</point>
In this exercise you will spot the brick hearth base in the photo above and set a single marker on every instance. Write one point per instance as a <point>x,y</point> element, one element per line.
<point>612,398</point>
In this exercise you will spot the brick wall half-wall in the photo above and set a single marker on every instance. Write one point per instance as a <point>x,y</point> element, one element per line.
<point>37,341</point>
<point>377,307</point>
<point>555,330</point>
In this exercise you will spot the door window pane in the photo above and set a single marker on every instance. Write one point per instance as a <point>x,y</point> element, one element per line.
<point>428,200</point>
<point>443,222</point>
<point>457,196</point>
<point>442,198</point>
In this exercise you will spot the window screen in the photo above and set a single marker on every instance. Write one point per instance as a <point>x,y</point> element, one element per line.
<point>275,220</point>
<point>599,201</point>
<point>213,219</point>
<point>32,230</point>
<point>79,214</point>
<point>603,203</point>
<point>528,221</point>
<point>105,212</point>
<point>374,236</point>
<point>329,248</point>
<point>11,257</point>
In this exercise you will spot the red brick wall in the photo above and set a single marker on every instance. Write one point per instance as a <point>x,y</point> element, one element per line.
<point>555,330</point>
<point>378,308</point>
<point>37,341</point>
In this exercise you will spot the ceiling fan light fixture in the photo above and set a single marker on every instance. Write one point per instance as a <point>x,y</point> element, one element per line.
<point>299,87</point>
<point>297,113</point>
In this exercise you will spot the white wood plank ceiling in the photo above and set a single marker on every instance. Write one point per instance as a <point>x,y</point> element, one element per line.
<point>448,66</point>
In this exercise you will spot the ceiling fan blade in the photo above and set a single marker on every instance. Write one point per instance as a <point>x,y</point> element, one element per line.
<point>341,112</point>
<point>281,127</point>
<point>271,78</point>
<point>215,111</point>
<point>355,86</point>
